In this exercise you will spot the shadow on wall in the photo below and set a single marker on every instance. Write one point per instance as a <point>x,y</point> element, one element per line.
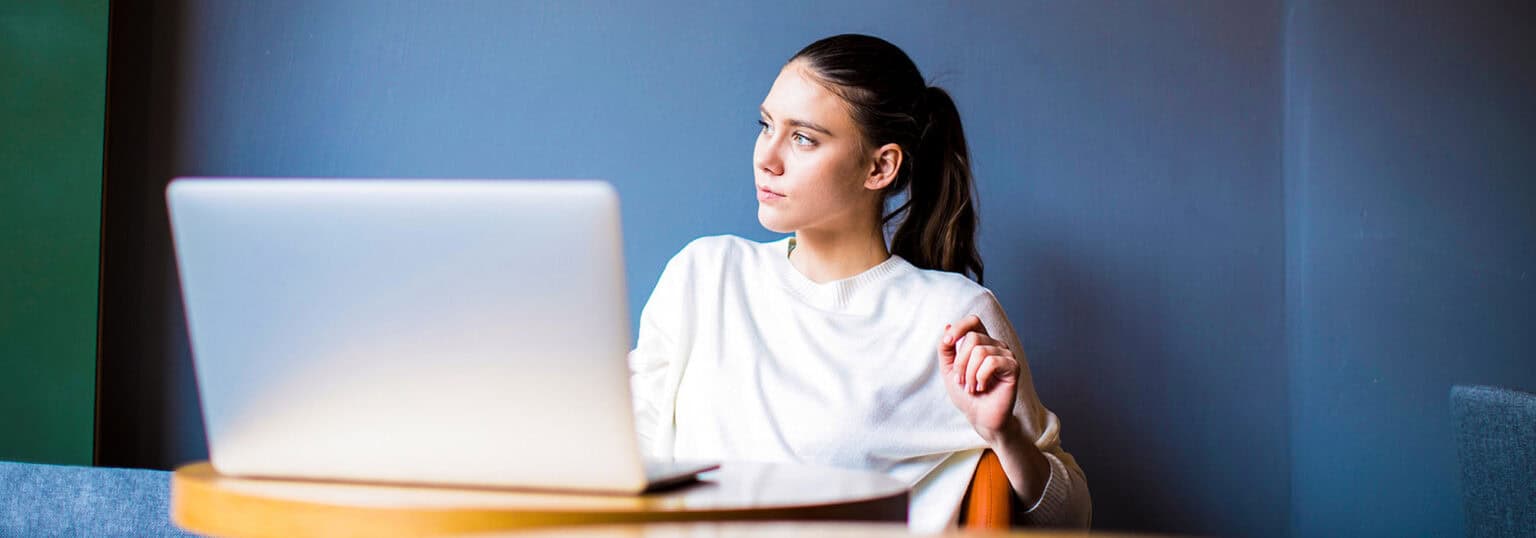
<point>146,393</point>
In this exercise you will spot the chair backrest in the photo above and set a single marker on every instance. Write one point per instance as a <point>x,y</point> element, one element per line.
<point>1496,443</point>
<point>989,501</point>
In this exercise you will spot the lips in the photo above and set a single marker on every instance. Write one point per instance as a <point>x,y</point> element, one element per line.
<point>765,195</point>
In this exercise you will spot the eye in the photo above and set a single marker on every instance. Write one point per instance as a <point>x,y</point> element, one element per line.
<point>803,140</point>
<point>763,127</point>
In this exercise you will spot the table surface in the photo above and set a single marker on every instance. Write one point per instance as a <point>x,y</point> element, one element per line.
<point>766,529</point>
<point>204,501</point>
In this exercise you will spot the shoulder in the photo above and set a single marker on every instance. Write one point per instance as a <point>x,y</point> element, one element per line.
<point>966,298</point>
<point>715,247</point>
<point>953,288</point>
<point>718,251</point>
<point>952,296</point>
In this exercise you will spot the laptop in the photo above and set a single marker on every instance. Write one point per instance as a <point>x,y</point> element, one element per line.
<point>443,332</point>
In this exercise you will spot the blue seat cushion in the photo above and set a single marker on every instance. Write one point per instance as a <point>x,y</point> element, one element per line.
<point>1496,443</point>
<point>63,500</point>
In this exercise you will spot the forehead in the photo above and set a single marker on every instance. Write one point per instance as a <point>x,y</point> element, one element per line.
<point>795,95</point>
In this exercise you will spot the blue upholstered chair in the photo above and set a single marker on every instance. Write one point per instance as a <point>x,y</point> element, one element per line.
<point>1496,443</point>
<point>63,500</point>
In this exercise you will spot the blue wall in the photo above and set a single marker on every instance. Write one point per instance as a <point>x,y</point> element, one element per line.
<point>1170,206</point>
<point>1127,155</point>
<point>1411,202</point>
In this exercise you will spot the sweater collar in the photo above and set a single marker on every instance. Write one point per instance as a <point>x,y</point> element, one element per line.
<point>832,295</point>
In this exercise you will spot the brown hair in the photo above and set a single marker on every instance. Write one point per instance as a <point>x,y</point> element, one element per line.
<point>892,104</point>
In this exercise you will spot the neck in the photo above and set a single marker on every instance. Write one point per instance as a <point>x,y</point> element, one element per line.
<point>827,256</point>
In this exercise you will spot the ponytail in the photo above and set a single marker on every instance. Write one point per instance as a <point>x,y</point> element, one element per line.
<point>891,104</point>
<point>939,228</point>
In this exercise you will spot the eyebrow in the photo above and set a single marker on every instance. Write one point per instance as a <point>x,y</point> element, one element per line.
<point>798,123</point>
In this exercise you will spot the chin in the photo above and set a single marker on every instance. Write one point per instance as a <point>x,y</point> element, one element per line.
<point>771,221</point>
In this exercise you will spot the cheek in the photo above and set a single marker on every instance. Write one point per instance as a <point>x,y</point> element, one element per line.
<point>838,173</point>
<point>825,180</point>
<point>809,173</point>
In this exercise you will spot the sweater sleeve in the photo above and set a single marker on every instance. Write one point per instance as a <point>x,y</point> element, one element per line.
<point>658,355</point>
<point>1065,501</point>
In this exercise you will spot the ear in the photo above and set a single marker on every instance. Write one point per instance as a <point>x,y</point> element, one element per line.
<point>883,166</point>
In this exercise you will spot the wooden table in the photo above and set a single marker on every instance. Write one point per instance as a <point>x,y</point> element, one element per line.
<point>204,502</point>
<point>766,529</point>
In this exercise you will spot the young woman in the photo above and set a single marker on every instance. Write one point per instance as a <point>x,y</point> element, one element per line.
<point>830,347</point>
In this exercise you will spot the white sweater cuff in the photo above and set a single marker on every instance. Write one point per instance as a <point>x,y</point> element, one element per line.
<point>1054,503</point>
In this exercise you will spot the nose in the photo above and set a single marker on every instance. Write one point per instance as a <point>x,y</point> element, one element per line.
<point>766,158</point>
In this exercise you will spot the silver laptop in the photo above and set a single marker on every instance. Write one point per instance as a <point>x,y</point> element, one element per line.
<point>451,332</point>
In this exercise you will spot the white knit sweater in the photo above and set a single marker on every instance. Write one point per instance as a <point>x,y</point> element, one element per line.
<point>743,358</point>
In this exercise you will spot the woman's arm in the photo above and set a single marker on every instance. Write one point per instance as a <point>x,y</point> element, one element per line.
<point>993,387</point>
<point>659,353</point>
<point>1050,490</point>
<point>1027,468</point>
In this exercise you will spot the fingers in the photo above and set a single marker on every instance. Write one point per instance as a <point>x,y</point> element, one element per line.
<point>994,368</point>
<point>971,358</point>
<point>968,368</point>
<point>962,350</point>
<point>970,323</point>
<point>946,350</point>
<point>953,338</point>
<point>979,355</point>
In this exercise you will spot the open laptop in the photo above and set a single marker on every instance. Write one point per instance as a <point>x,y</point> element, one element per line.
<point>447,332</point>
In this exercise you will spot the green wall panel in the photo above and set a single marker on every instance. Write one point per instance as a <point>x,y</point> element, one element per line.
<point>53,71</point>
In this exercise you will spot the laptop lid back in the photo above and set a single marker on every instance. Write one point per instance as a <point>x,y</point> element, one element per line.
<point>467,332</point>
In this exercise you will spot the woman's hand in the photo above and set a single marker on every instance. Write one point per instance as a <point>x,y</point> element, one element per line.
<point>981,376</point>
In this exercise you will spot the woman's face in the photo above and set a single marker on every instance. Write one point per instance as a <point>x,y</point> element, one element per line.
<point>809,163</point>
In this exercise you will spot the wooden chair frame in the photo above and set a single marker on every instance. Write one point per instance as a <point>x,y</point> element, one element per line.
<point>989,502</point>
